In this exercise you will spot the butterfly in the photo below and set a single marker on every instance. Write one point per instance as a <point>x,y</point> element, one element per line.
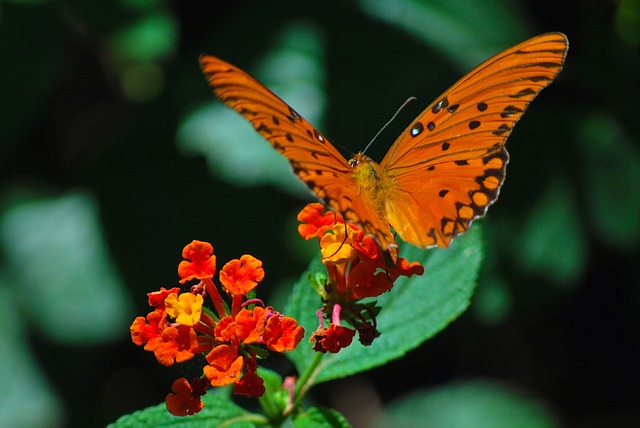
<point>443,171</point>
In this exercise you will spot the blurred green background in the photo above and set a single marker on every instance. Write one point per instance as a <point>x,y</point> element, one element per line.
<point>114,155</point>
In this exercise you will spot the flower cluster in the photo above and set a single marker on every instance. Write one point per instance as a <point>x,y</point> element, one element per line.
<point>356,270</point>
<point>231,340</point>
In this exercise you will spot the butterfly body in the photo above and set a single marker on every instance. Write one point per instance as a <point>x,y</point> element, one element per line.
<point>373,181</point>
<point>443,171</point>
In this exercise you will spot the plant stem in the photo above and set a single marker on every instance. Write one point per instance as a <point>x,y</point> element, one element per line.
<point>305,381</point>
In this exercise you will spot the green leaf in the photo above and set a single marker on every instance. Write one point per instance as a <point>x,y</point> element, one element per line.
<point>319,417</point>
<point>55,249</point>
<point>552,242</point>
<point>152,38</point>
<point>476,404</point>
<point>493,301</point>
<point>468,32</point>
<point>612,179</point>
<point>32,401</point>
<point>217,410</point>
<point>275,398</point>
<point>413,311</point>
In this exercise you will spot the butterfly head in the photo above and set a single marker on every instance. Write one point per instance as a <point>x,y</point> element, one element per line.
<point>359,159</point>
<point>366,171</point>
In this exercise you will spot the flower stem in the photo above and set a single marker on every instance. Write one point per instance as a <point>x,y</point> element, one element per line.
<point>214,294</point>
<point>305,381</point>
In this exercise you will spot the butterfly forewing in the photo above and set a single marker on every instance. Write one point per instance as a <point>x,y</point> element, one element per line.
<point>482,107</point>
<point>275,120</point>
<point>448,165</point>
<point>313,158</point>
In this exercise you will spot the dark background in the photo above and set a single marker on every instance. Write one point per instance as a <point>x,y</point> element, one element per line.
<point>556,314</point>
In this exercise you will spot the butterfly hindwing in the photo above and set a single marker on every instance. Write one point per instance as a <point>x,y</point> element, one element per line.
<point>445,198</point>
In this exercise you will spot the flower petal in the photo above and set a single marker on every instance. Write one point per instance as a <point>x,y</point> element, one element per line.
<point>200,262</point>
<point>241,276</point>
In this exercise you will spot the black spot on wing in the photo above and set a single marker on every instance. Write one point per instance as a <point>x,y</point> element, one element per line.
<point>293,116</point>
<point>264,129</point>
<point>453,108</point>
<point>509,111</point>
<point>318,136</point>
<point>540,78</point>
<point>443,103</point>
<point>523,93</point>
<point>417,129</point>
<point>502,129</point>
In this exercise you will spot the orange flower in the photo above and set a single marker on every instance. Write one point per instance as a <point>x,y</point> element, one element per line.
<point>185,399</point>
<point>250,324</point>
<point>241,276</point>
<point>314,222</point>
<point>156,298</point>
<point>282,333</point>
<point>202,262</point>
<point>369,277</point>
<point>177,345</point>
<point>356,266</point>
<point>225,331</point>
<point>148,331</point>
<point>356,270</point>
<point>233,339</point>
<point>224,366</point>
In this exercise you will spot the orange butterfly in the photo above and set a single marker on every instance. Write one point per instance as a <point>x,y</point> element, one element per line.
<point>444,170</point>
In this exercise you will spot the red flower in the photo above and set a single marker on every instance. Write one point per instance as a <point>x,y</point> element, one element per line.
<point>249,385</point>
<point>332,339</point>
<point>185,399</point>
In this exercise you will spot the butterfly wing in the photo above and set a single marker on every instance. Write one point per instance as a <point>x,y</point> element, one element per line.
<point>448,165</point>
<point>313,158</point>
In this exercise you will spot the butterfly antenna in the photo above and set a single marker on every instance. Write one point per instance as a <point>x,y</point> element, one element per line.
<point>404,104</point>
